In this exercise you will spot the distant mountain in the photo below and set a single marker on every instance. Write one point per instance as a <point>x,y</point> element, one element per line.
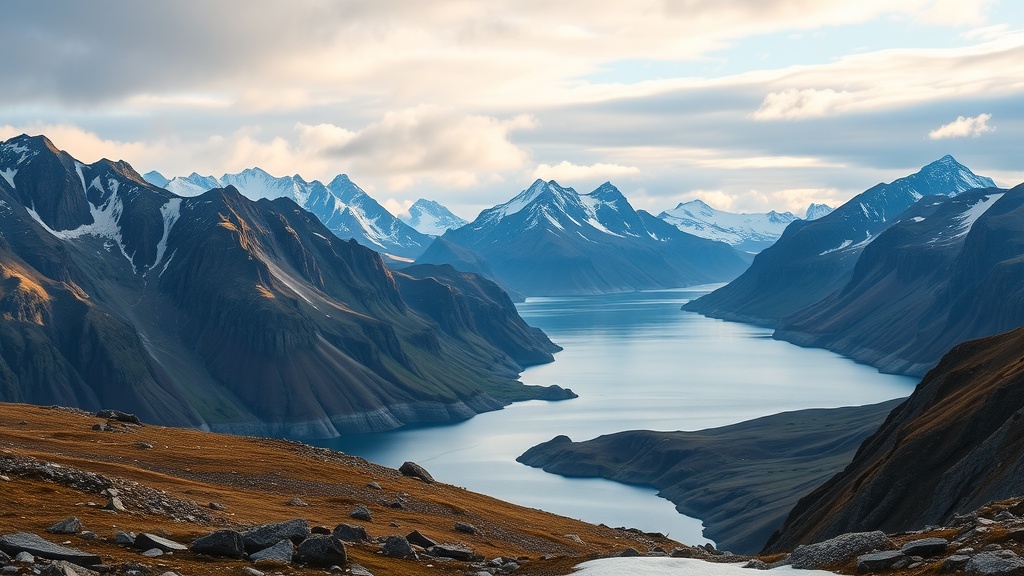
<point>815,211</point>
<point>956,444</point>
<point>341,205</point>
<point>946,272</point>
<point>157,179</point>
<point>749,232</point>
<point>221,312</point>
<point>815,258</point>
<point>431,218</point>
<point>551,240</point>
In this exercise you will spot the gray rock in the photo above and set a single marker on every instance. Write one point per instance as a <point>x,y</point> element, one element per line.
<point>954,563</point>
<point>9,569</point>
<point>361,512</point>
<point>350,533</point>
<point>453,551</point>
<point>226,543</point>
<point>925,547</point>
<point>62,568</point>
<point>250,571</point>
<point>215,506</point>
<point>119,416</point>
<point>297,502</point>
<point>877,561</point>
<point>992,564</point>
<point>281,552</point>
<point>147,541</point>
<point>89,535</point>
<point>320,550</point>
<point>4,558</point>
<point>24,558</point>
<point>627,553</point>
<point>267,535</point>
<point>114,503</point>
<point>756,564</point>
<point>375,486</point>
<point>838,550</point>
<point>357,570</point>
<point>397,547</point>
<point>414,470</point>
<point>124,539</point>
<point>70,525</point>
<point>153,553</point>
<point>143,445</point>
<point>465,528</point>
<point>417,538</point>
<point>26,542</point>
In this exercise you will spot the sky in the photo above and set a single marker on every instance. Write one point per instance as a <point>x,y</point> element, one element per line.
<point>750,105</point>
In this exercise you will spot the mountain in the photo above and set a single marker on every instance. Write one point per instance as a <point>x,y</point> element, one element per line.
<point>221,312</point>
<point>431,218</point>
<point>551,240</point>
<point>740,480</point>
<point>815,211</point>
<point>815,258</point>
<point>954,445</point>
<point>748,232</point>
<point>946,272</point>
<point>342,206</point>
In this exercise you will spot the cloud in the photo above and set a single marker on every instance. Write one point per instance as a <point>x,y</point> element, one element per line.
<point>963,127</point>
<point>796,104</point>
<point>568,172</point>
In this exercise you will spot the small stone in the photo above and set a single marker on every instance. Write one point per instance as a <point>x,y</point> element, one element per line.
<point>682,553</point>
<point>70,525</point>
<point>119,416</point>
<point>281,552</point>
<point>414,470</point>
<point>397,547</point>
<point>148,541</point>
<point>375,486</point>
<point>319,530</point>
<point>227,543</point>
<point>417,538</point>
<point>396,504</point>
<point>143,445</point>
<point>25,558</point>
<point>350,533</point>
<point>4,478</point>
<point>153,553</point>
<point>357,570</point>
<point>124,539</point>
<point>990,564</point>
<point>336,569</point>
<point>297,502</point>
<point>465,528</point>
<point>361,512</point>
<point>9,569</point>
<point>575,538</point>
<point>114,503</point>
<point>320,550</point>
<point>954,563</point>
<point>627,553</point>
<point>250,571</point>
<point>453,551</point>
<point>89,535</point>
<point>877,561</point>
<point>925,547</point>
<point>215,506</point>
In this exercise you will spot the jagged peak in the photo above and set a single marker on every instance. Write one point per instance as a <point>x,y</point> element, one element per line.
<point>607,191</point>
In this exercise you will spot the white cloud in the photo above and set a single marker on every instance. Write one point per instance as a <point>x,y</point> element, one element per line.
<point>568,172</point>
<point>796,104</point>
<point>963,127</point>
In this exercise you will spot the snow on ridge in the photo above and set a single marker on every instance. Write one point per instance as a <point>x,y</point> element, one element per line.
<point>968,217</point>
<point>837,248</point>
<point>9,174</point>
<point>170,211</point>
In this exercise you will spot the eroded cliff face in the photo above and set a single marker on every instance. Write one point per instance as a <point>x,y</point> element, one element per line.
<point>220,312</point>
<point>954,445</point>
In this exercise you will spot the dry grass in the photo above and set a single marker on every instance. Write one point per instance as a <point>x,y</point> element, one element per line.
<point>255,479</point>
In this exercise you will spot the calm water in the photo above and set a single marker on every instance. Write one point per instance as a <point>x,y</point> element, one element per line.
<point>638,362</point>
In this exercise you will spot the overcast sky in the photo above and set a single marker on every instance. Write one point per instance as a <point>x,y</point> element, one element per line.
<point>748,104</point>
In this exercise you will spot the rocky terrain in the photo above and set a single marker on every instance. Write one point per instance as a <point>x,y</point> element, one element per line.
<point>116,496</point>
<point>740,480</point>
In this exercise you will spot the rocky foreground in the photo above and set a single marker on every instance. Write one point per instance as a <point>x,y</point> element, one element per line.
<point>85,494</point>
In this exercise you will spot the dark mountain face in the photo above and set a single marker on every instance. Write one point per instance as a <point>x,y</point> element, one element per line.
<point>220,312</point>
<point>815,258</point>
<point>945,273</point>
<point>549,240</point>
<point>954,445</point>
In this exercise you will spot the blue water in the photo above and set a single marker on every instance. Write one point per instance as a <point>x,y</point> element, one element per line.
<point>638,362</point>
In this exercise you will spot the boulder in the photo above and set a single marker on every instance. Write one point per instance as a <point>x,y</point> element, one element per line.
<point>26,542</point>
<point>124,539</point>
<point>62,568</point>
<point>357,570</point>
<point>877,561</point>
<point>925,547</point>
<point>417,538</point>
<point>453,551</point>
<point>360,512</point>
<point>147,541</point>
<point>152,553</point>
<point>414,470</point>
<point>838,550</point>
<point>995,564</point>
<point>627,553</point>
<point>227,543</point>
<point>267,535</point>
<point>350,533</point>
<point>119,416</point>
<point>397,547</point>
<point>465,528</point>
<point>281,552</point>
<point>297,502</point>
<point>114,503</point>
<point>322,551</point>
<point>70,525</point>
<point>954,563</point>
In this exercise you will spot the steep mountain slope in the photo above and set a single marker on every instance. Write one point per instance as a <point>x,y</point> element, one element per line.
<point>217,311</point>
<point>740,480</point>
<point>947,272</point>
<point>343,207</point>
<point>431,218</point>
<point>814,259</point>
<point>551,240</point>
<point>954,445</point>
<point>815,211</point>
<point>749,232</point>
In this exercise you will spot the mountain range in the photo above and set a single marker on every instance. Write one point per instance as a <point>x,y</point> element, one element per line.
<point>220,312</point>
<point>431,218</point>
<point>749,232</point>
<point>341,205</point>
<point>815,258</point>
<point>552,240</point>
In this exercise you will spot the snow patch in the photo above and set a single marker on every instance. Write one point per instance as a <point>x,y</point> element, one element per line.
<point>837,248</point>
<point>917,219</point>
<point>641,566</point>
<point>8,175</point>
<point>170,211</point>
<point>968,217</point>
<point>78,169</point>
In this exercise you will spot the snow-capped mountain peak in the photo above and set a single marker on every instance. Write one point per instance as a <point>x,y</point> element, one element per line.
<point>815,211</point>
<point>750,232</point>
<point>430,217</point>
